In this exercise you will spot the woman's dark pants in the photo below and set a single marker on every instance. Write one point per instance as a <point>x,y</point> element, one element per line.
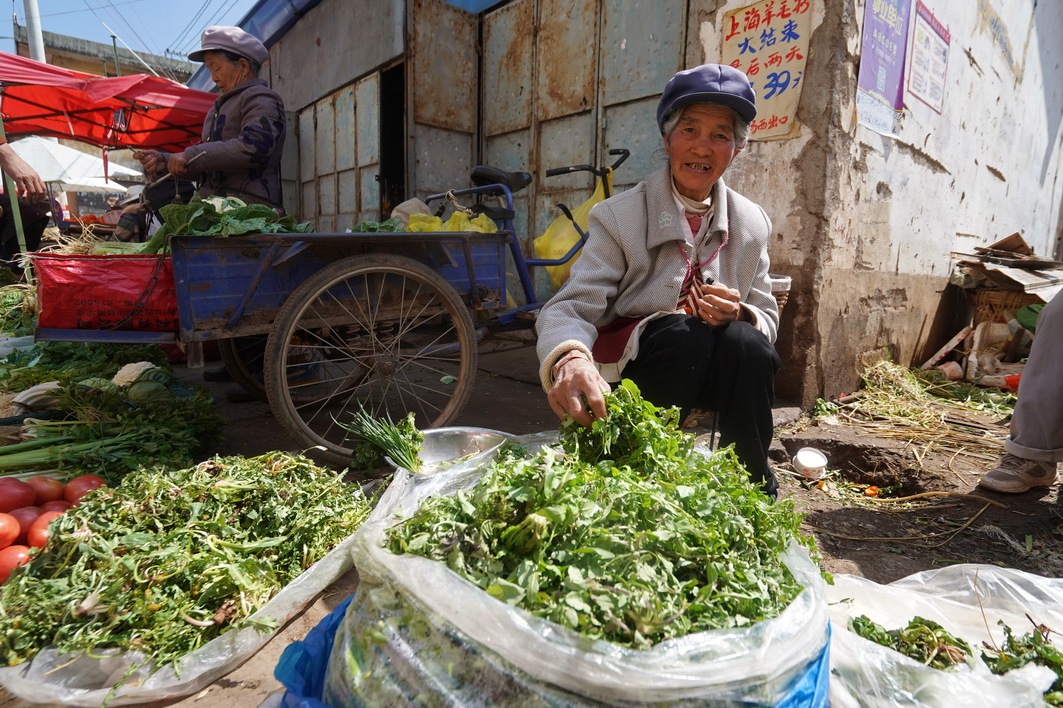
<point>730,369</point>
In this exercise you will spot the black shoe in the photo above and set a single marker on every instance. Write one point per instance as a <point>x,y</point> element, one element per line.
<point>219,373</point>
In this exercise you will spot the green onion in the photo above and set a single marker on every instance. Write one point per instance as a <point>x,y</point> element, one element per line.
<point>399,442</point>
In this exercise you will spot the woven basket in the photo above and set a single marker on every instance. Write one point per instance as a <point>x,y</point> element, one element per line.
<point>780,288</point>
<point>994,305</point>
<point>781,298</point>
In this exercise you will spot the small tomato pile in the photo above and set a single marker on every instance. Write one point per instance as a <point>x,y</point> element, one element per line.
<point>28,507</point>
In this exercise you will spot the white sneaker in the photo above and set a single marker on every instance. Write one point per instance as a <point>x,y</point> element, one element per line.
<point>1017,474</point>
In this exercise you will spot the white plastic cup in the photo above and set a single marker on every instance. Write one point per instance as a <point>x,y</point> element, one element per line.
<point>810,462</point>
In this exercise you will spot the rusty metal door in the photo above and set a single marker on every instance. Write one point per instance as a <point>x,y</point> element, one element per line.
<point>441,80</point>
<point>642,47</point>
<point>565,81</point>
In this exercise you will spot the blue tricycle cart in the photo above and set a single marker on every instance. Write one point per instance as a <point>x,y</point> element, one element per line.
<point>323,324</point>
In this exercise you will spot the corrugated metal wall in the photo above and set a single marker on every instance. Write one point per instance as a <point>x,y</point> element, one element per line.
<point>339,157</point>
<point>531,85</point>
<point>565,81</point>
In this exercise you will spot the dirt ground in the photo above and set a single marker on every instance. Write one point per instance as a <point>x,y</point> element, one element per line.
<point>928,514</point>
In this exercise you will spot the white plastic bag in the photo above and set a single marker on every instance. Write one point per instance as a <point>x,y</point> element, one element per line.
<point>967,600</point>
<point>417,633</point>
<point>52,678</point>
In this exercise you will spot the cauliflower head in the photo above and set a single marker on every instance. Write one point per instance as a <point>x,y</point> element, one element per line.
<point>130,372</point>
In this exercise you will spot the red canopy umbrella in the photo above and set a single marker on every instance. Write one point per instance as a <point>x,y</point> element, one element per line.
<point>139,111</point>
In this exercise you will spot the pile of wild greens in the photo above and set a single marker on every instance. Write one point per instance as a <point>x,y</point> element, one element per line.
<point>1034,647</point>
<point>930,644</point>
<point>219,216</point>
<point>924,640</point>
<point>169,559</point>
<point>622,534</point>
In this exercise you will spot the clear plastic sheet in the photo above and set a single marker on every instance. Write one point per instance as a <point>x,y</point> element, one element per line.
<point>55,678</point>
<point>967,600</point>
<point>417,633</point>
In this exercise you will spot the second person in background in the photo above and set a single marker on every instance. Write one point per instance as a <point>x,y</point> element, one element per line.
<point>243,133</point>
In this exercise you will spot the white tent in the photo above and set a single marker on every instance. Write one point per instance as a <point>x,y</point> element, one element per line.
<point>70,170</point>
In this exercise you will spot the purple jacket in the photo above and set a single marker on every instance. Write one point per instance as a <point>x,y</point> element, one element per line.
<point>243,140</point>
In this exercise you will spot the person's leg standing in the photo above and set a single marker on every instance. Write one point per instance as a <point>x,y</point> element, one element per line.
<point>1035,445</point>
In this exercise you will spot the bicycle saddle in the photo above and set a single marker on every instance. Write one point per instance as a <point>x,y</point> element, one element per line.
<point>483,175</point>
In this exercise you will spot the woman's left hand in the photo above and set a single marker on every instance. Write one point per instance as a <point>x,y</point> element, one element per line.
<point>177,164</point>
<point>718,304</point>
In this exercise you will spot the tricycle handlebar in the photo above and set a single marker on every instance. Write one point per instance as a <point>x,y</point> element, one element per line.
<point>600,171</point>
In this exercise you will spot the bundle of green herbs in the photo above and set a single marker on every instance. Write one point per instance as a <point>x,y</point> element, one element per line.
<point>18,302</point>
<point>1034,647</point>
<point>623,533</point>
<point>169,559</point>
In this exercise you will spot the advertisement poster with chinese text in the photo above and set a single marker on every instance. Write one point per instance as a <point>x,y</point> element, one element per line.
<point>880,84</point>
<point>769,42</point>
<point>930,58</point>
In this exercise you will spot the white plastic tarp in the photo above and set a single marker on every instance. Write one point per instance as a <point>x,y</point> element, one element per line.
<point>67,169</point>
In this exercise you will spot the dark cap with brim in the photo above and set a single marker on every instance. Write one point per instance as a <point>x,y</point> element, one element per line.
<point>708,83</point>
<point>231,39</point>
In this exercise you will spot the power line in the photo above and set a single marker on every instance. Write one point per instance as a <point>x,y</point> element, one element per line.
<point>135,25</point>
<point>182,36</point>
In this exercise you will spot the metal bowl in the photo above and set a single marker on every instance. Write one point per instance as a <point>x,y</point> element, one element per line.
<point>446,447</point>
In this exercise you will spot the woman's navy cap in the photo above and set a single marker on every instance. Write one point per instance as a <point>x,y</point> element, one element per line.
<point>708,83</point>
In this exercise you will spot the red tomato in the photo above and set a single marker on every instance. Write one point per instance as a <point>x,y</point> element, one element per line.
<point>25,515</point>
<point>57,505</point>
<point>15,493</point>
<point>80,486</point>
<point>11,558</point>
<point>38,535</point>
<point>9,530</point>
<point>47,488</point>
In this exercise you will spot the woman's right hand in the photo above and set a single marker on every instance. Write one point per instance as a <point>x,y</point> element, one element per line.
<point>579,391</point>
<point>154,162</point>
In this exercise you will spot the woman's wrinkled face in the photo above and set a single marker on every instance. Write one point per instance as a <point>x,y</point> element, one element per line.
<point>225,72</point>
<point>700,148</point>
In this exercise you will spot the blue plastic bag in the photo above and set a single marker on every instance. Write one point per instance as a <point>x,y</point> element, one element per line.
<point>303,665</point>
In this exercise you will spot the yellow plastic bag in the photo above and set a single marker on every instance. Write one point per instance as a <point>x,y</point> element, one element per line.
<point>460,221</point>
<point>424,222</point>
<point>561,235</point>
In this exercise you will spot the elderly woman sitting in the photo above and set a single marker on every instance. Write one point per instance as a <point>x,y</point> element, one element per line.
<point>672,288</point>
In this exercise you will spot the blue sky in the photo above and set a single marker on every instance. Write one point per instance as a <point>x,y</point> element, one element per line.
<point>161,27</point>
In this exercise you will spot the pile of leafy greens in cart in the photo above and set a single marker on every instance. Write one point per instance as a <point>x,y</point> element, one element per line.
<point>219,216</point>
<point>624,532</point>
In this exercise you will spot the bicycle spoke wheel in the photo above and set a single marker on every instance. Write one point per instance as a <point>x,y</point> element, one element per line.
<point>243,358</point>
<point>382,332</point>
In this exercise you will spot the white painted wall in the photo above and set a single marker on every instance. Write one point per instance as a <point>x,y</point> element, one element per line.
<point>865,224</point>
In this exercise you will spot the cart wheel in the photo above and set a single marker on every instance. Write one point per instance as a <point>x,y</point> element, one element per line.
<point>243,357</point>
<point>378,331</point>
